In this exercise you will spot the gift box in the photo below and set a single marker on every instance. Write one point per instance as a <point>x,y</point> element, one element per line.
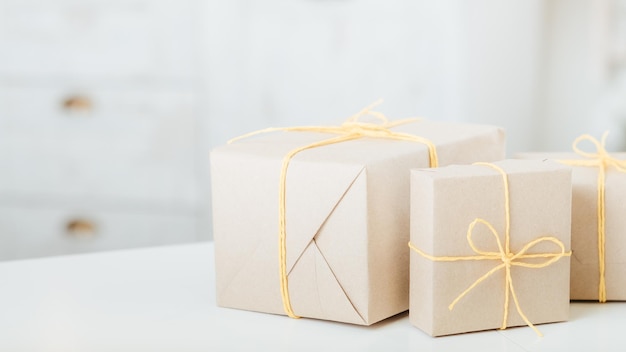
<point>598,269</point>
<point>490,246</point>
<point>313,221</point>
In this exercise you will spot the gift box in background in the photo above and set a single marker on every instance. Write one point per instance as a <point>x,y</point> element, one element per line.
<point>346,216</point>
<point>490,246</point>
<point>598,269</point>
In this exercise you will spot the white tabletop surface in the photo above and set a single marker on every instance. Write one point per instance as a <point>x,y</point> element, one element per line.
<point>163,299</point>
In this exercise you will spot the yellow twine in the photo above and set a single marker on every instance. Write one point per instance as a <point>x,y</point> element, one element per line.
<point>351,129</point>
<point>504,254</point>
<point>602,160</point>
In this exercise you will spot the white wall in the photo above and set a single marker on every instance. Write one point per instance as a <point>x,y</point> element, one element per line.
<point>284,62</point>
<point>575,71</point>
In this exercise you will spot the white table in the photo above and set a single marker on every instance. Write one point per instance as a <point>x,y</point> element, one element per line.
<point>163,299</point>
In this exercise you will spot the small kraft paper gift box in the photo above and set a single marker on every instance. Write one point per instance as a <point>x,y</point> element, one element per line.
<point>313,221</point>
<point>598,269</point>
<point>490,246</point>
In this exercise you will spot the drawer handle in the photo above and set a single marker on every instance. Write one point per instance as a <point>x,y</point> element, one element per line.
<point>77,103</point>
<point>80,228</point>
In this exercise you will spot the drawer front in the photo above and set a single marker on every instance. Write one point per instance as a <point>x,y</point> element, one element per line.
<point>135,145</point>
<point>27,232</point>
<point>96,38</point>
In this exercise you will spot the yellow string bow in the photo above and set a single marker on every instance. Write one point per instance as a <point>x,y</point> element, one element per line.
<point>504,254</point>
<point>350,130</point>
<point>602,160</point>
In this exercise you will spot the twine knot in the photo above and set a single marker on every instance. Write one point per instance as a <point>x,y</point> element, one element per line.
<point>367,129</point>
<point>507,259</point>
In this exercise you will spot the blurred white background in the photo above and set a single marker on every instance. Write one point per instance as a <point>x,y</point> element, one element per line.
<point>108,108</point>
<point>547,71</point>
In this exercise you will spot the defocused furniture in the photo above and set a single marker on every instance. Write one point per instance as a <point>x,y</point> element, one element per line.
<point>163,299</point>
<point>99,126</point>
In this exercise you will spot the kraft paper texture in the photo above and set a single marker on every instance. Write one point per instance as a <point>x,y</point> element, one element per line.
<point>444,202</point>
<point>585,267</point>
<point>347,218</point>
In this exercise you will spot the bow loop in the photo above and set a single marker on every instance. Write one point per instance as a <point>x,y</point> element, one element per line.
<point>367,111</point>
<point>601,157</point>
<point>549,257</point>
<point>470,231</point>
<point>511,258</point>
<point>355,125</point>
<point>600,151</point>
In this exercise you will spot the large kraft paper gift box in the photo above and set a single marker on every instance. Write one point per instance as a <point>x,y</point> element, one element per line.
<point>598,269</point>
<point>484,234</point>
<point>346,216</point>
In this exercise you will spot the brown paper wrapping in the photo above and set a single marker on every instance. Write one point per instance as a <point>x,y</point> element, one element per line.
<point>585,264</point>
<point>444,202</point>
<point>347,213</point>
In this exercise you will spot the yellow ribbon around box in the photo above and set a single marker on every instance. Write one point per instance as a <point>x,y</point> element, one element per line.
<point>504,254</point>
<point>602,160</point>
<point>353,128</point>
